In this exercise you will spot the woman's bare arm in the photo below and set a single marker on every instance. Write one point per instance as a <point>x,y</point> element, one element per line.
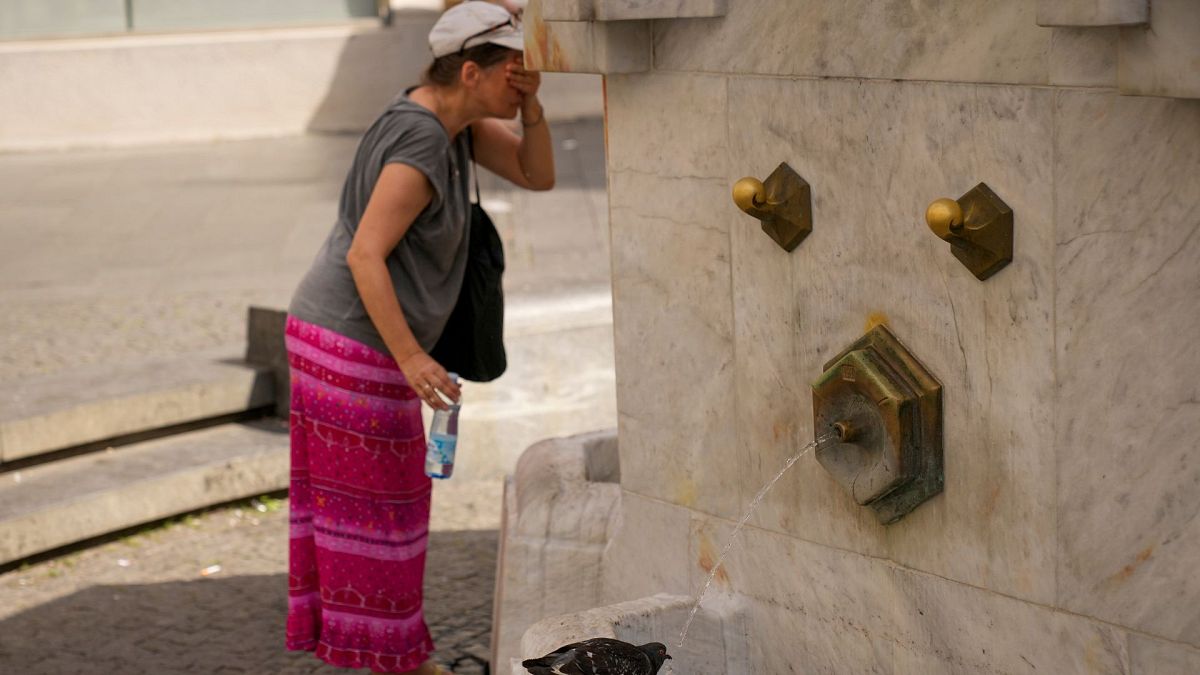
<point>526,161</point>
<point>400,194</point>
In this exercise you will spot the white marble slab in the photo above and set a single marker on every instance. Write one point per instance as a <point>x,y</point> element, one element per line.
<point>585,46</point>
<point>1164,59</point>
<point>1148,656</point>
<point>965,40</point>
<point>673,326</point>
<point>1084,57</point>
<point>647,551</point>
<point>876,153</point>
<point>1092,12</point>
<point>624,10</point>
<point>944,628</point>
<point>1128,312</point>
<point>808,609</point>
<point>814,609</point>
<point>667,125</point>
<point>566,10</point>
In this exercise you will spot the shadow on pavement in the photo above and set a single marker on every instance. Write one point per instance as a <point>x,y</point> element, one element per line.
<point>235,624</point>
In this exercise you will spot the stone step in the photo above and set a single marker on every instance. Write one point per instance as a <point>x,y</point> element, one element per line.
<point>51,505</point>
<point>45,414</point>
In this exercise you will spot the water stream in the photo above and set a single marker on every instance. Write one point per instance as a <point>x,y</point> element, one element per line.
<point>745,517</point>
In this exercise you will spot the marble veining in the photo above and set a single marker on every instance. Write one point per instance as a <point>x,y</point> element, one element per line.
<point>1148,656</point>
<point>1128,361</point>
<point>1084,57</point>
<point>965,40</point>
<point>837,612</point>
<point>876,154</point>
<point>1164,59</point>
<point>627,575</point>
<point>673,329</point>
<point>585,46</point>
<point>668,125</point>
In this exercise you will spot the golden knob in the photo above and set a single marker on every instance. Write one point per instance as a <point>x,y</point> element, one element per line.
<point>749,194</point>
<point>945,218</point>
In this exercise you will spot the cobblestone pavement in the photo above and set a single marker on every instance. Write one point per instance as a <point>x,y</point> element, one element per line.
<point>156,602</point>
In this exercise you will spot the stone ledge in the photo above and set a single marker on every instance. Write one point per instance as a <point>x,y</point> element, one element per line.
<point>625,10</point>
<point>61,503</point>
<point>566,10</point>
<point>585,46</point>
<point>589,47</point>
<point>1081,13</point>
<point>84,406</point>
<point>1160,59</point>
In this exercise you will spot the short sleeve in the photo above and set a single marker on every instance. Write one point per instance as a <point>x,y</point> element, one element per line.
<point>420,142</point>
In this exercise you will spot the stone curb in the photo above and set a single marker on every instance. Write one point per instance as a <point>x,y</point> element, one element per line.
<point>64,502</point>
<point>65,410</point>
<point>559,508</point>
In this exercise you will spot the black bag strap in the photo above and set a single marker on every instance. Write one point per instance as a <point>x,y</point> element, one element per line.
<point>474,166</point>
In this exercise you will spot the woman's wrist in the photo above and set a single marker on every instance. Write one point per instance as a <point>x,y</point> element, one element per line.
<point>407,352</point>
<point>541,116</point>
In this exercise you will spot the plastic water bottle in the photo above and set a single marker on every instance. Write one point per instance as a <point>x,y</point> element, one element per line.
<point>443,438</point>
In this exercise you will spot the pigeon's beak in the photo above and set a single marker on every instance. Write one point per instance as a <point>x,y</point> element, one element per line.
<point>667,656</point>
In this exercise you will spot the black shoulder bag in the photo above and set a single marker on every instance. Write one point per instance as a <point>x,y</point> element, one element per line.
<point>472,343</point>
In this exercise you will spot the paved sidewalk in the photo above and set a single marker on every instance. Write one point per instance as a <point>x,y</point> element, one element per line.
<point>144,605</point>
<point>111,256</point>
<point>125,256</point>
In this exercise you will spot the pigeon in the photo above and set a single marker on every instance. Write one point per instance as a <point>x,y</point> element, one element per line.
<point>600,656</point>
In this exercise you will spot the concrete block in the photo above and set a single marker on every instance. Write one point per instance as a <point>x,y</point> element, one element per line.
<point>68,501</point>
<point>89,405</point>
<point>265,348</point>
<point>201,86</point>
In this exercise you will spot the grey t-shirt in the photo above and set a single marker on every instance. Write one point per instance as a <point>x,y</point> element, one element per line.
<point>428,264</point>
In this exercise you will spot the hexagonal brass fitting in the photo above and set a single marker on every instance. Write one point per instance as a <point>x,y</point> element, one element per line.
<point>886,410</point>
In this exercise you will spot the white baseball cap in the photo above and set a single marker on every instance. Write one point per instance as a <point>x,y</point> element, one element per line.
<point>474,23</point>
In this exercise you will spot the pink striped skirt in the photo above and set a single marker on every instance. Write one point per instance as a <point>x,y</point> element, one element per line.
<point>359,505</point>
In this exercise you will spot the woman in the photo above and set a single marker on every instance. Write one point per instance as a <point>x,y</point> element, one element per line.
<point>360,328</point>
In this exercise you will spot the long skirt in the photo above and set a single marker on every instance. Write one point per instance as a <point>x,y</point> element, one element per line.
<point>359,505</point>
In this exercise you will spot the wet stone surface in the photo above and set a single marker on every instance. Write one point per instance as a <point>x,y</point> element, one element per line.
<point>208,594</point>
